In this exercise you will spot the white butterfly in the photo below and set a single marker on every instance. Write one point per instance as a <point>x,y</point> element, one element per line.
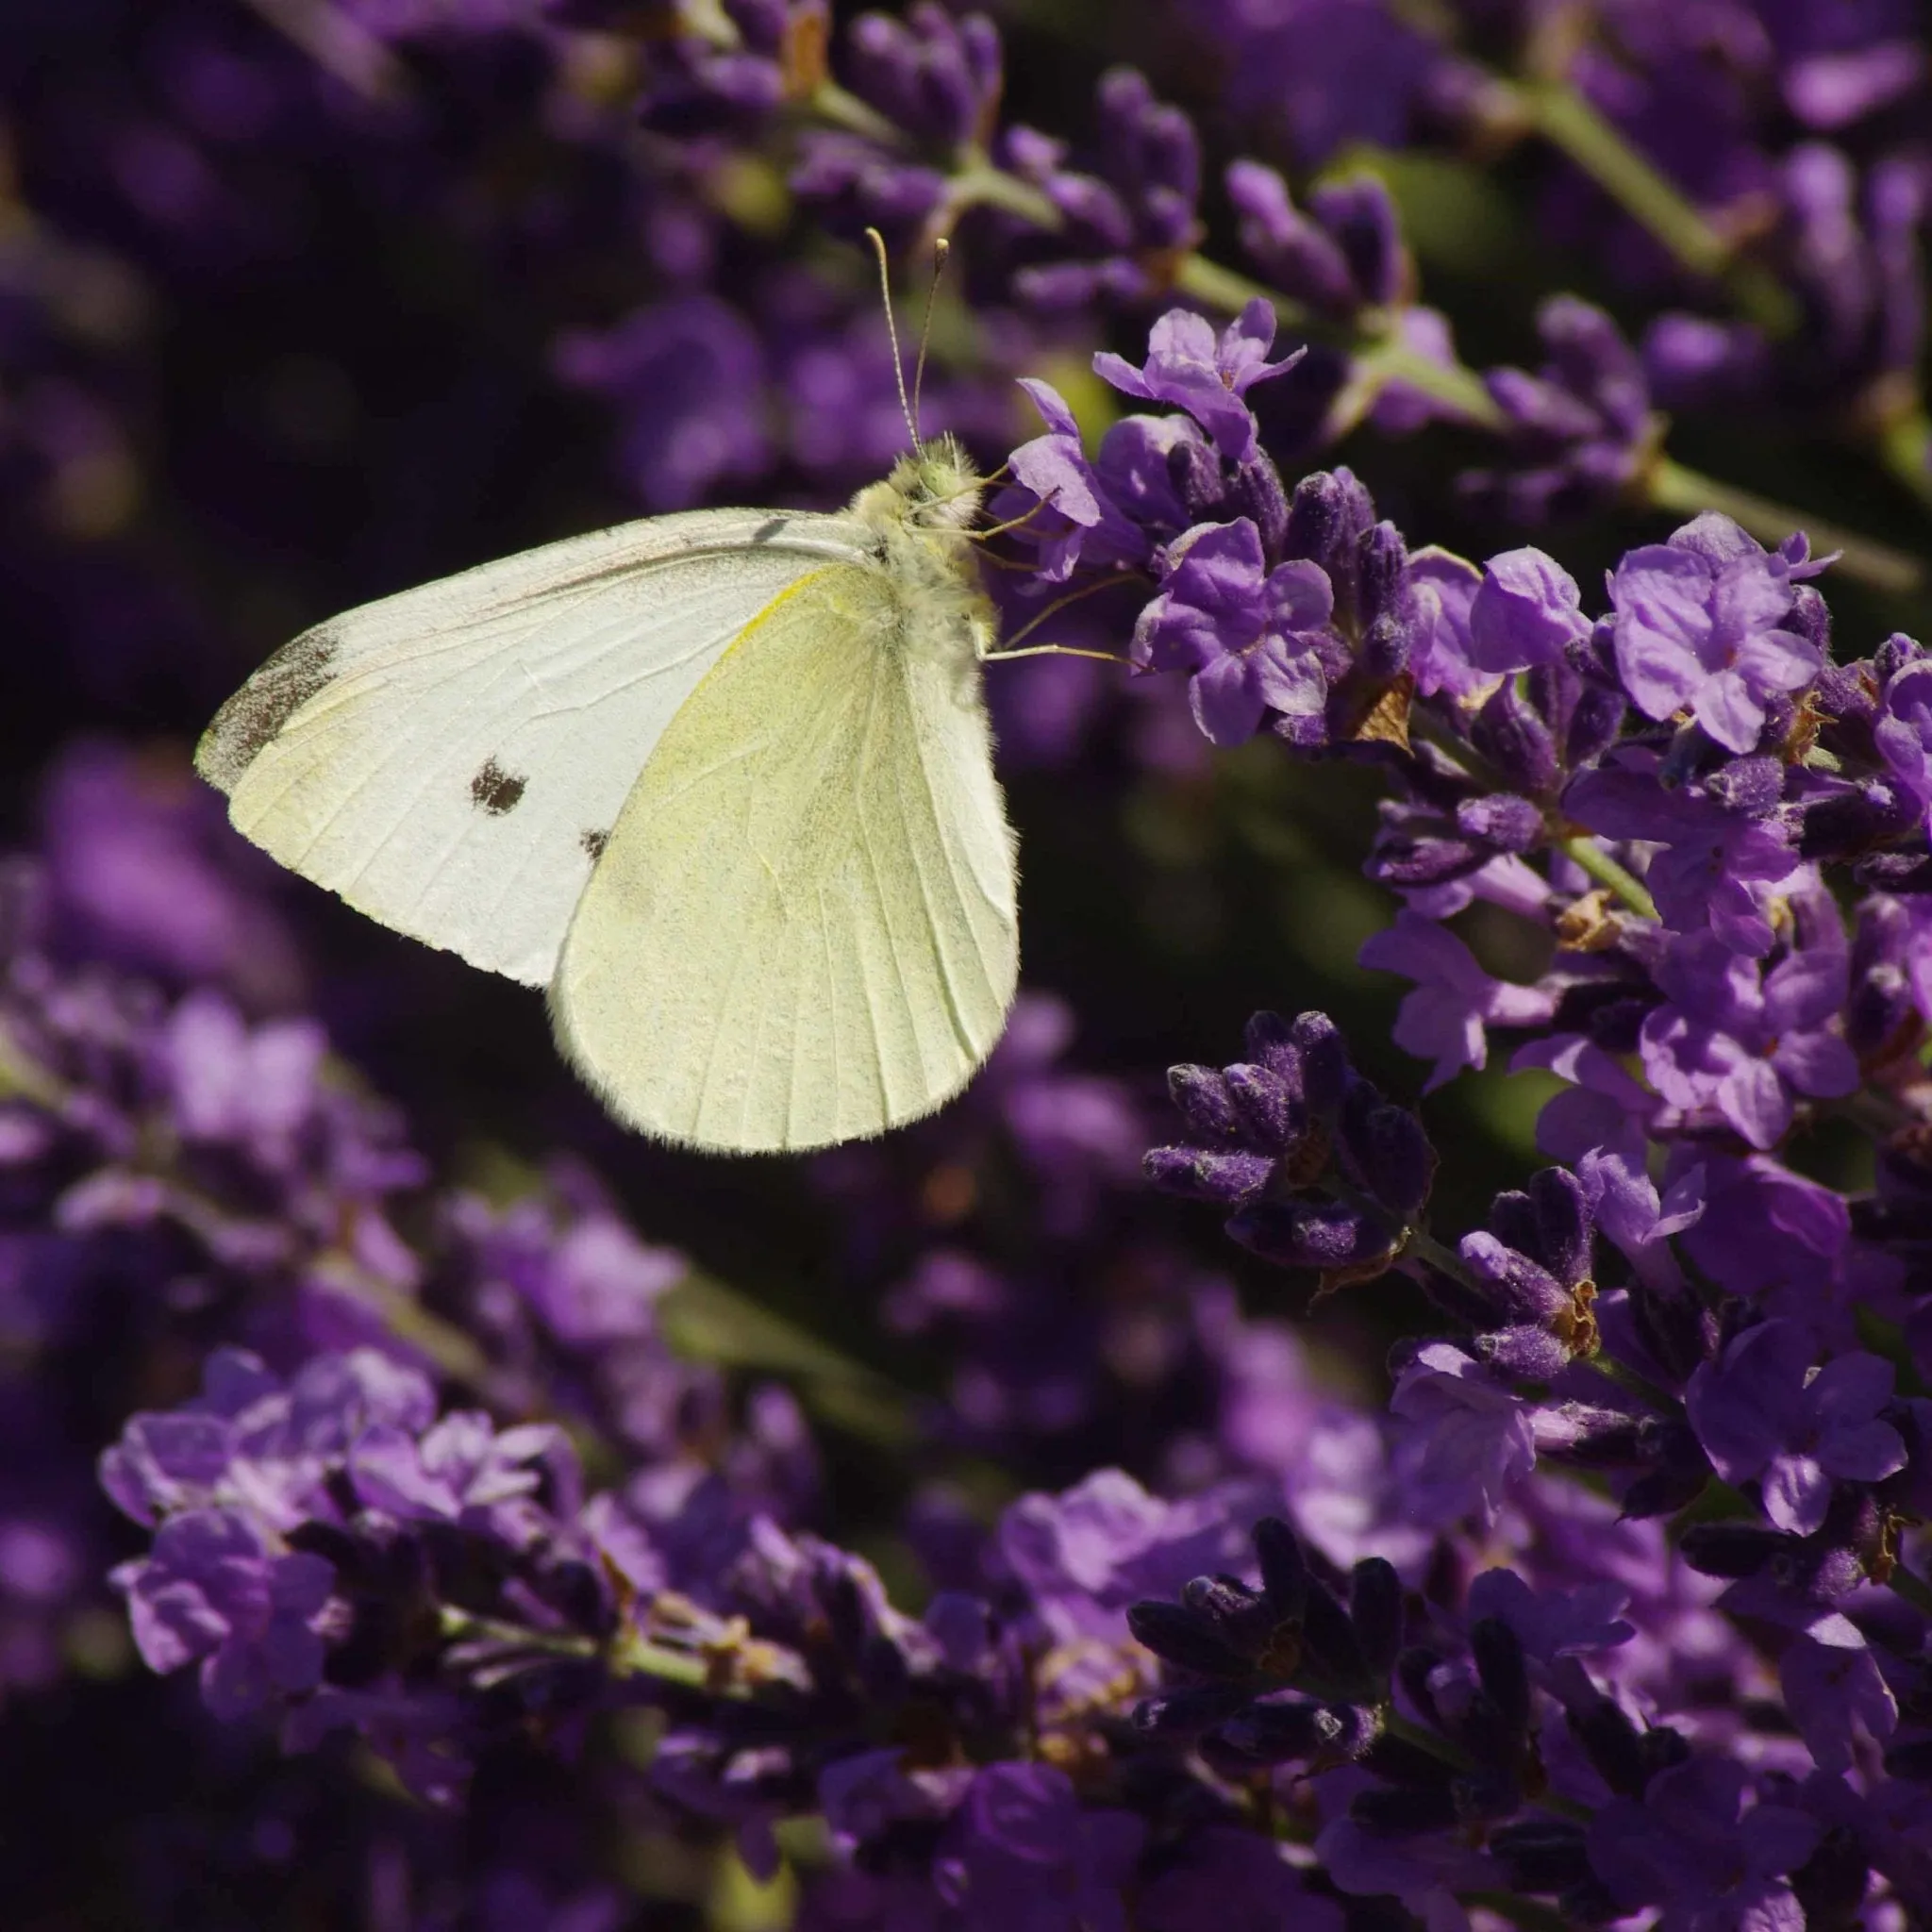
<point>722,781</point>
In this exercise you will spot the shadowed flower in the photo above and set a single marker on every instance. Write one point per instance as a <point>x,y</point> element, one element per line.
<point>1454,1000</point>
<point>1765,1412</point>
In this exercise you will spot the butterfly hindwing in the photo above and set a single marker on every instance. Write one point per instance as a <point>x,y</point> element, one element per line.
<point>803,928</point>
<point>452,759</point>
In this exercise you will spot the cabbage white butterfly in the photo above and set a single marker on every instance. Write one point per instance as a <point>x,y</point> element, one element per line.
<point>722,780</point>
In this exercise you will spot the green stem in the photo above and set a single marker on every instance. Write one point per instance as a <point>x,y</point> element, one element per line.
<point>1607,871</point>
<point>1669,486</point>
<point>979,183</point>
<point>461,1624</point>
<point>1912,1588</point>
<point>1627,1379</point>
<point>1905,447</point>
<point>1227,288</point>
<point>832,103</point>
<point>1568,122</point>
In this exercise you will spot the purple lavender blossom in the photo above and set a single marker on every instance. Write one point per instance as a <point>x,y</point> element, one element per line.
<point>1744,1043</point>
<point>1250,638</point>
<point>217,1592</point>
<point>1693,1844</point>
<point>1766,1411</point>
<point>1701,628</point>
<point>1455,1001</point>
<point>1188,366</point>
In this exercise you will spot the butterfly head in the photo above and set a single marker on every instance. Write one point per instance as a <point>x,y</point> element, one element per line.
<point>934,487</point>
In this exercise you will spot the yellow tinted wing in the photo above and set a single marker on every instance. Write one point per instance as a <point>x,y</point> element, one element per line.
<point>803,927</point>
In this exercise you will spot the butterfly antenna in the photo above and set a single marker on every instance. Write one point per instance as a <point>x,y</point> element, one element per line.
<point>878,248</point>
<point>940,249</point>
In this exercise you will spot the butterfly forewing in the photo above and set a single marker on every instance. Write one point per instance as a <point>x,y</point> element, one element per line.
<point>452,759</point>
<point>803,927</point>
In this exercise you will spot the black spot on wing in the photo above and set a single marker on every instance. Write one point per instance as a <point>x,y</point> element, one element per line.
<point>496,790</point>
<point>594,843</point>
<point>254,717</point>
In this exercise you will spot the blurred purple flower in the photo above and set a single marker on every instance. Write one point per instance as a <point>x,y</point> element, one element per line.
<point>216,1591</point>
<point>1022,1852</point>
<point>1692,1846</point>
<point>688,378</point>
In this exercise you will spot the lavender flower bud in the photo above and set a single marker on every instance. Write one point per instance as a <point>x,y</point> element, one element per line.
<point>1200,1175</point>
<point>1594,723</point>
<point>1328,517</point>
<point>1181,1636</point>
<point>1205,1105</point>
<point>1510,733</point>
<point>1284,1731</point>
<point>1327,1236</point>
<point>1731,1549</point>
<point>1523,1353</point>
<point>1242,1618</point>
<point>1360,215</point>
<point>1501,1666</point>
<point>1502,821</point>
<point>1383,1150</point>
<point>1331,1644</point>
<point>1284,1568</point>
<point>1381,568</point>
<point>1543,1855</point>
<point>1268,1109</point>
<point>1376,1611</point>
<point>1256,492</point>
<point>1307,1052</point>
<point>1185,1715</point>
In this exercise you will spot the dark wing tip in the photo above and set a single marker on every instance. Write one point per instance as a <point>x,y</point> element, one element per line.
<point>257,713</point>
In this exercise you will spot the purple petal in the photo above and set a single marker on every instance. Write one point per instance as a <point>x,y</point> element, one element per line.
<point>1729,712</point>
<point>1865,1455</point>
<point>1755,1101</point>
<point>1226,705</point>
<point>1797,1493</point>
<point>1819,1064</point>
<point>1851,1388</point>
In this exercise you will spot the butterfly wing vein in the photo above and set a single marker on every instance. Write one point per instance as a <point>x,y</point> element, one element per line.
<point>450,759</point>
<point>803,928</point>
